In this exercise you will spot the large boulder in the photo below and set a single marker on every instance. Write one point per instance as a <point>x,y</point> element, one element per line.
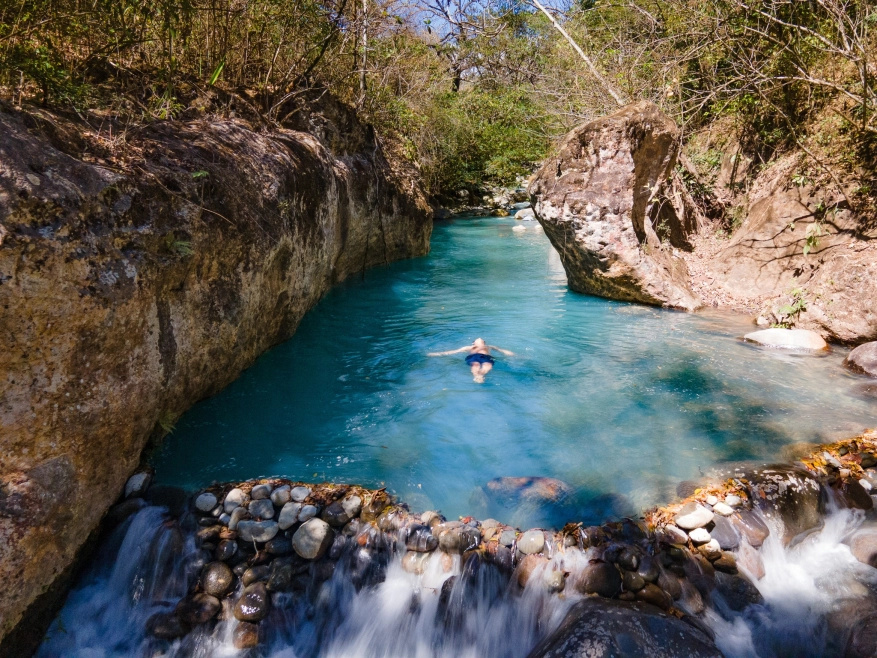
<point>602,628</point>
<point>789,495</point>
<point>603,202</point>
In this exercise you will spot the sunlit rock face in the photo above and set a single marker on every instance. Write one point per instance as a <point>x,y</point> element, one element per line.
<point>603,200</point>
<point>138,278</point>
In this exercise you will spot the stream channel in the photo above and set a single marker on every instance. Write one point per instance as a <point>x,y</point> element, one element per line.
<point>619,402</point>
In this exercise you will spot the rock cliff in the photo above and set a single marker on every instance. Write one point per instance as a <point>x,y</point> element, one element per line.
<point>605,202</point>
<point>143,271</point>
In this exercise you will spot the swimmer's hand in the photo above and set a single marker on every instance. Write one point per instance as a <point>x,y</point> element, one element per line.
<point>499,349</point>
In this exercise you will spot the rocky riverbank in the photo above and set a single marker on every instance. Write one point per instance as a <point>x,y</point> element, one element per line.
<point>615,206</point>
<point>142,268</point>
<point>660,583</point>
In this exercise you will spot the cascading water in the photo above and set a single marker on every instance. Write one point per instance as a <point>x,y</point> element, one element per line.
<point>372,607</point>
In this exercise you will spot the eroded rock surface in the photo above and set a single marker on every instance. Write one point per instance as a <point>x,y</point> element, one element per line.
<point>603,202</point>
<point>137,281</point>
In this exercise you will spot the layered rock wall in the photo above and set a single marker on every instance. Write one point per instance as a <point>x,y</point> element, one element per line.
<point>137,280</point>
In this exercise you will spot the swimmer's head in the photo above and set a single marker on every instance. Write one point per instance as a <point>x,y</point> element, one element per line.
<point>479,342</point>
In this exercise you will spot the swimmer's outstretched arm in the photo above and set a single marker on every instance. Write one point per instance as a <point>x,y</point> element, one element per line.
<point>499,349</point>
<point>465,348</point>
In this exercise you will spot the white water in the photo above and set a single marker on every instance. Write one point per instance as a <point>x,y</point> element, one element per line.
<point>147,565</point>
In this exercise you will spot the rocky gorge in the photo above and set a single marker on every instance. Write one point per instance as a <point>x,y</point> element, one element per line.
<point>143,268</point>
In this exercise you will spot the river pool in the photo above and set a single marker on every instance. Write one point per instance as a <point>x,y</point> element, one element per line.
<point>619,401</point>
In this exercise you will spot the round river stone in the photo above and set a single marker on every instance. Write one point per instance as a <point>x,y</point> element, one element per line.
<point>693,516</point>
<point>254,603</point>
<point>259,531</point>
<point>531,542</point>
<point>312,539</point>
<point>216,579</point>
<point>205,502</point>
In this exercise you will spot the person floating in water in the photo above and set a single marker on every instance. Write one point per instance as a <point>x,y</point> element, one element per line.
<point>479,359</point>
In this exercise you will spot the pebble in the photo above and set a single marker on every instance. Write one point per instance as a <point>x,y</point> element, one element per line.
<point>262,508</point>
<point>307,512</point>
<point>289,515</point>
<point>216,579</point>
<point>531,542</point>
<point>414,562</point>
<point>700,536</point>
<point>693,516</point>
<point>865,485</point>
<point>723,509</point>
<point>733,500</point>
<point>206,502</point>
<point>420,538</point>
<point>253,604</point>
<point>831,459</point>
<point>260,492</point>
<point>234,498</point>
<point>863,545</point>
<point>279,546</point>
<point>653,594</point>
<point>633,582</point>
<point>628,559</point>
<point>255,574</point>
<point>724,533</point>
<point>226,550</point>
<point>280,496</point>
<point>198,608</point>
<point>341,512</point>
<point>431,518</point>
<point>246,635</point>
<point>710,550</point>
<point>648,569</point>
<point>167,626</point>
<point>711,500</point>
<point>137,484</point>
<point>237,515</point>
<point>527,566</point>
<point>224,518</point>
<point>507,538</point>
<point>670,534</point>
<point>258,531</point>
<point>554,580</point>
<point>490,523</point>
<point>600,578</point>
<point>298,494</point>
<point>312,539</point>
<point>726,563</point>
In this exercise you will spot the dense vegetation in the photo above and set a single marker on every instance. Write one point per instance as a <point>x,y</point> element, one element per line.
<point>474,91</point>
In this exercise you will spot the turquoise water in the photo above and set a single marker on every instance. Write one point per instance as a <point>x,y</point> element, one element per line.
<point>619,401</point>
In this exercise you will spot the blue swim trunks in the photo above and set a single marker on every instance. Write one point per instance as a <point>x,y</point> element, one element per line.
<point>479,358</point>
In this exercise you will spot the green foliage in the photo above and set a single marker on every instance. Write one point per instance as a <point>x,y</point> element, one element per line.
<point>789,312</point>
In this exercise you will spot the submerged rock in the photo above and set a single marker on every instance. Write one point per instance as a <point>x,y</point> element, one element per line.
<point>602,198</point>
<point>515,490</point>
<point>863,545</point>
<point>137,484</point>
<point>167,626</point>
<point>600,628</point>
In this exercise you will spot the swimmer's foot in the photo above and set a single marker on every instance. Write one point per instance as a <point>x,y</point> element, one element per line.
<point>478,379</point>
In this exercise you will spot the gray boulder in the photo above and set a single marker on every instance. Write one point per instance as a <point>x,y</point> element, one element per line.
<point>312,539</point>
<point>863,359</point>
<point>603,200</point>
<point>789,494</point>
<point>601,628</point>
